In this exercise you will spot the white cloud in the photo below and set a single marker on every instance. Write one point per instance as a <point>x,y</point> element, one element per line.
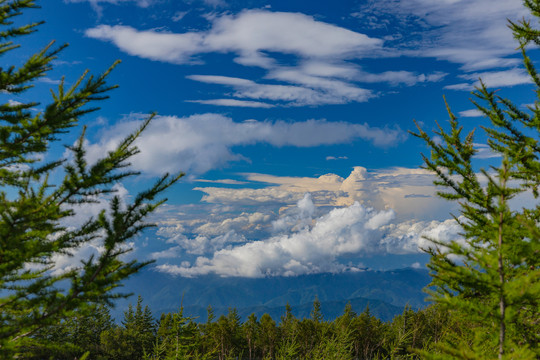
<point>471,33</point>
<point>174,48</point>
<point>248,34</point>
<point>14,102</point>
<point>233,102</point>
<point>248,196</point>
<point>471,113</point>
<point>313,90</point>
<point>223,181</point>
<point>318,245</point>
<point>98,9</point>
<point>336,158</point>
<point>255,37</point>
<point>494,79</point>
<point>199,143</point>
<point>324,72</point>
<point>410,192</point>
<point>47,80</point>
<point>315,83</point>
<point>242,223</point>
<point>299,218</point>
<point>413,236</point>
<point>342,231</point>
<point>197,245</point>
<point>309,225</point>
<point>485,152</point>
<point>179,15</point>
<point>401,77</point>
<point>254,31</point>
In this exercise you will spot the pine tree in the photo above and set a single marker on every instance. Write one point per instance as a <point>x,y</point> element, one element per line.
<point>493,278</point>
<point>288,346</point>
<point>35,211</point>
<point>268,336</point>
<point>251,329</point>
<point>316,313</point>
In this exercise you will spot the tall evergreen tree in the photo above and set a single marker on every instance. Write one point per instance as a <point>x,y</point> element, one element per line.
<point>34,211</point>
<point>268,336</point>
<point>288,346</point>
<point>493,278</point>
<point>251,329</point>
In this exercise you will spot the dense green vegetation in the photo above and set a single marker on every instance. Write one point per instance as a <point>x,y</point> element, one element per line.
<point>39,199</point>
<point>492,279</point>
<point>175,336</point>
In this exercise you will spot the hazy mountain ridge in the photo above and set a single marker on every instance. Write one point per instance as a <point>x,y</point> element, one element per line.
<point>386,291</point>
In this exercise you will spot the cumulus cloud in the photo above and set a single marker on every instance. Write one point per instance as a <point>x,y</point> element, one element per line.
<point>242,223</point>
<point>299,218</point>
<point>342,231</point>
<point>197,245</point>
<point>308,225</point>
<point>199,143</point>
<point>319,244</point>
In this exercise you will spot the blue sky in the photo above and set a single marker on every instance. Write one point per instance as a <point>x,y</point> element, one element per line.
<point>290,119</point>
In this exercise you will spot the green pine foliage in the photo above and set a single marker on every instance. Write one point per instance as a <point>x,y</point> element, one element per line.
<point>35,210</point>
<point>492,279</point>
<point>176,336</point>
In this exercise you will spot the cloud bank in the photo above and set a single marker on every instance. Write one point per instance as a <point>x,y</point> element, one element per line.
<point>343,232</point>
<point>199,143</point>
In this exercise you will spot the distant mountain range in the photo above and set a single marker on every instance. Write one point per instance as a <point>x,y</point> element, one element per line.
<point>386,292</point>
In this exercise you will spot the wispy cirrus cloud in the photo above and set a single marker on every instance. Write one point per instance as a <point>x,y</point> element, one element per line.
<point>324,72</point>
<point>493,79</point>
<point>96,4</point>
<point>471,113</point>
<point>249,35</point>
<point>326,67</point>
<point>471,33</point>
<point>336,157</point>
<point>252,36</point>
<point>319,91</point>
<point>234,102</point>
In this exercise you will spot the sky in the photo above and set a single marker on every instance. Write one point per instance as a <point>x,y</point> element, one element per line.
<point>290,120</point>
